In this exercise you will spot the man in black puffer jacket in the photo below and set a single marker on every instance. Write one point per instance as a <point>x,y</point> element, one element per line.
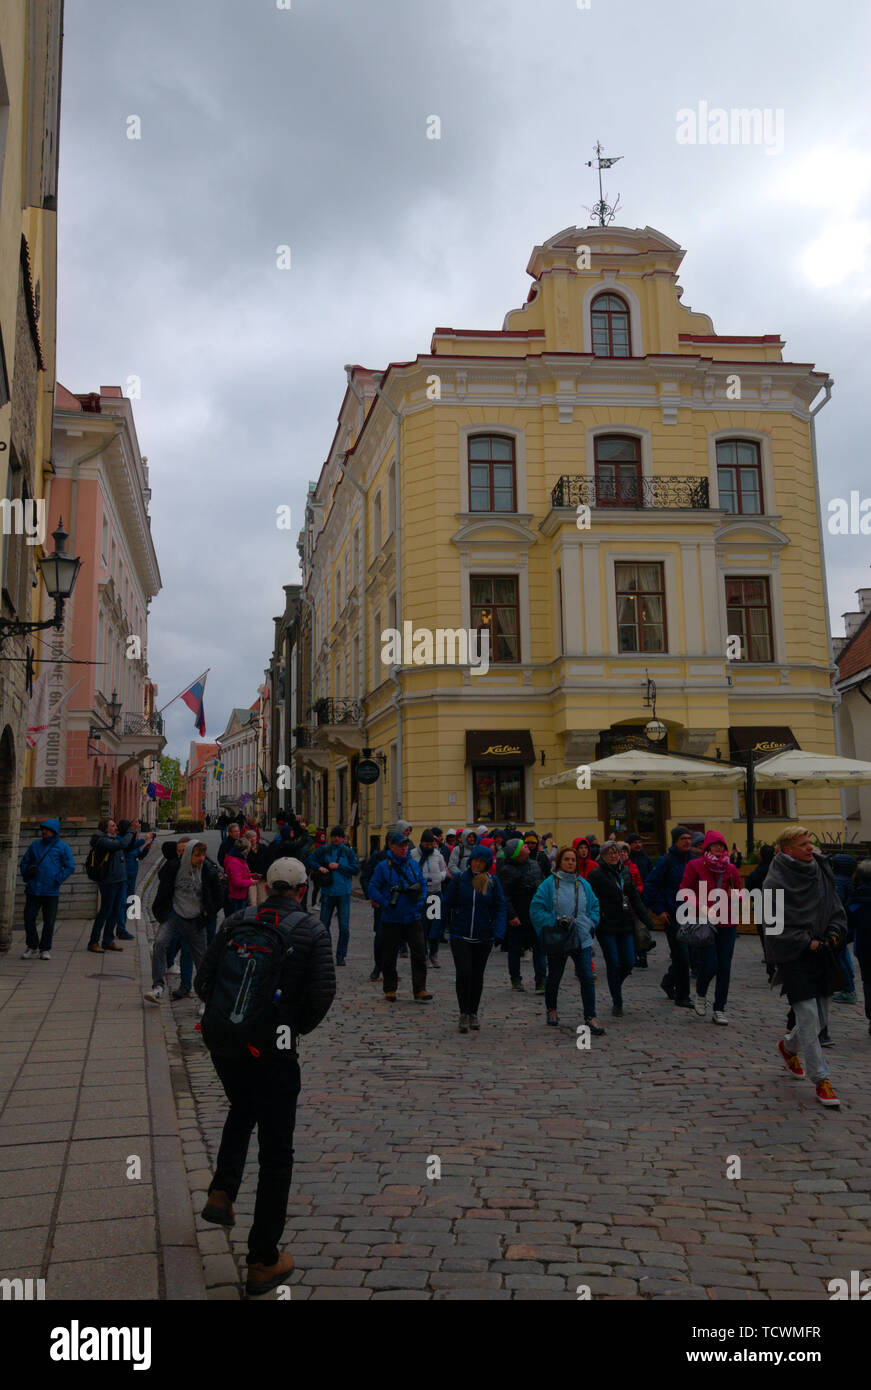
<point>263,1090</point>
<point>520,875</point>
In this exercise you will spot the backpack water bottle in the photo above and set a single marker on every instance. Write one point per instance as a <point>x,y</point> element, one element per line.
<point>241,1018</point>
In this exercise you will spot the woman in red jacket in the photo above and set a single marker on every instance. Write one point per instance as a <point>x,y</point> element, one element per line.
<point>702,877</point>
<point>586,862</point>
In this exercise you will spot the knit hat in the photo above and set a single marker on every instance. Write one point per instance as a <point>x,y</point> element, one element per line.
<point>512,848</point>
<point>697,839</point>
<point>482,852</point>
<point>677,832</point>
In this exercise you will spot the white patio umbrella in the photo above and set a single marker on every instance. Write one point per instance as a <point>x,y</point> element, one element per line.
<point>639,768</point>
<point>794,768</point>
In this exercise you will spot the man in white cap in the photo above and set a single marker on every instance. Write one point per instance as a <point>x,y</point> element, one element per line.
<point>262,1083</point>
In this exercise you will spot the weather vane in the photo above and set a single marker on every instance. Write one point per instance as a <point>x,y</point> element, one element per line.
<point>603,211</point>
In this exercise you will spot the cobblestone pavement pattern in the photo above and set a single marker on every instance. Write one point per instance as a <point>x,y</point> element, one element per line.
<point>559,1167</point>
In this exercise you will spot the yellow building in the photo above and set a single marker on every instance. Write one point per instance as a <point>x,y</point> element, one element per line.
<point>612,492</point>
<point>30,75</point>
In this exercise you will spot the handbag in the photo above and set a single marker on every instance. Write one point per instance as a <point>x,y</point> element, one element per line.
<point>561,935</point>
<point>644,938</point>
<point>32,870</point>
<point>696,934</point>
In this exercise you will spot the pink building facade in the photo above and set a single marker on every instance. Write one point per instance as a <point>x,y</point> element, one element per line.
<point>100,488</point>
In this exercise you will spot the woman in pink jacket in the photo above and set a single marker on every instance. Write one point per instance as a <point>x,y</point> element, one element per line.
<point>239,876</point>
<point>702,877</point>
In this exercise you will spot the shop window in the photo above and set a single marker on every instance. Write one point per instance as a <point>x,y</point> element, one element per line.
<point>498,795</point>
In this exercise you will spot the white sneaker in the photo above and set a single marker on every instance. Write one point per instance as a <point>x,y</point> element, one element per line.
<point>174,970</point>
<point>154,994</point>
<point>720,1017</point>
<point>700,1005</point>
<point>201,1010</point>
<point>29,954</point>
<point>45,955</point>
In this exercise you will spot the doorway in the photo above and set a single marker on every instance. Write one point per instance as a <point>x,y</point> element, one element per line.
<point>645,812</point>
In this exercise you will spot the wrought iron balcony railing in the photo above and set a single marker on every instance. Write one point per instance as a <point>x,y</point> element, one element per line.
<point>304,736</point>
<point>573,490</point>
<point>143,724</point>
<point>337,711</point>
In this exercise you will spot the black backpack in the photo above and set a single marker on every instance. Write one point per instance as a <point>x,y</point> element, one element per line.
<point>96,867</point>
<point>241,1017</point>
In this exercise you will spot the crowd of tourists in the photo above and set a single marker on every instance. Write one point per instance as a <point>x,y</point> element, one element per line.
<point>270,968</point>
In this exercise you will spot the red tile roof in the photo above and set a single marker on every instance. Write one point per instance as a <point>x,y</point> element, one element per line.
<point>856,656</point>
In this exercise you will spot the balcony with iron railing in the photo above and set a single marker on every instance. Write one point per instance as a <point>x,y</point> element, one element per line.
<point>334,712</point>
<point>136,724</point>
<point>632,494</point>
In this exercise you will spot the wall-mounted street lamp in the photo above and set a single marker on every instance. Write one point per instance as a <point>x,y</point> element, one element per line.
<point>95,730</point>
<point>59,574</point>
<point>654,728</point>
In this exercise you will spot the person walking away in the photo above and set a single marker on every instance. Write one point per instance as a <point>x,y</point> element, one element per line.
<point>289,955</point>
<point>805,951</point>
<point>398,888</point>
<point>715,870</point>
<point>520,877</point>
<point>188,895</point>
<point>859,920</point>
<point>660,893</point>
<point>366,873</point>
<point>109,854</point>
<point>45,865</point>
<point>844,867</point>
<point>335,865</point>
<point>434,870</point>
<point>133,858</point>
<point>618,901</point>
<point>476,911</point>
<point>239,875</point>
<point>565,914</point>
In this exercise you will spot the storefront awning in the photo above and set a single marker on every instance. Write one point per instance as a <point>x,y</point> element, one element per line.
<point>495,746</point>
<point>762,739</point>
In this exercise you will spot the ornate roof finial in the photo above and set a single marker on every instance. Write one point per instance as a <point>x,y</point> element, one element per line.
<point>603,211</point>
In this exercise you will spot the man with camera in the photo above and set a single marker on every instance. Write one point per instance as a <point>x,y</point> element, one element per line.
<point>398,887</point>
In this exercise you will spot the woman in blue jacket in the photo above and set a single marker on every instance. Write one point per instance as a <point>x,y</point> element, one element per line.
<point>46,864</point>
<point>565,914</point>
<point>475,905</point>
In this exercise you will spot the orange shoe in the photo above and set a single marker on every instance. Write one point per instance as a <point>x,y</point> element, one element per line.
<point>826,1093</point>
<point>793,1065</point>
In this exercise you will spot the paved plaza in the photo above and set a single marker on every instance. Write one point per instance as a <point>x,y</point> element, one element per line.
<point>429,1164</point>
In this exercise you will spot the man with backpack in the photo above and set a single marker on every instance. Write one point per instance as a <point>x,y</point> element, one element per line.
<point>266,979</point>
<point>106,865</point>
<point>46,864</point>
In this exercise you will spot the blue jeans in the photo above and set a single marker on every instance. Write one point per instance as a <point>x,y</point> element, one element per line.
<point>716,959</point>
<point>32,903</point>
<point>556,964</point>
<point>619,953</point>
<point>342,906</point>
<point>112,898</point>
<point>187,962</point>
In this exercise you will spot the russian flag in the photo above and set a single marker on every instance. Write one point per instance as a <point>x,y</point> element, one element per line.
<point>193,698</point>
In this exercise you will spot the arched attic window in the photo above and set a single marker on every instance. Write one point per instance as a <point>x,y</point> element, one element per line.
<point>609,316</point>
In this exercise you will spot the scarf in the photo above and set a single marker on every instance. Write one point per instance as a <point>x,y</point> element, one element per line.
<point>717,863</point>
<point>809,901</point>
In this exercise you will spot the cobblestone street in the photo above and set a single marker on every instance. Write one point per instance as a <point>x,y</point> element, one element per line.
<point>559,1167</point>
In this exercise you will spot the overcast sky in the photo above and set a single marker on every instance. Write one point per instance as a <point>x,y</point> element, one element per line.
<point>263,127</point>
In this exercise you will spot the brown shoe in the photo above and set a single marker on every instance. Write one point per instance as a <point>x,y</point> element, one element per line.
<point>262,1278</point>
<point>98,950</point>
<point>112,946</point>
<point>219,1209</point>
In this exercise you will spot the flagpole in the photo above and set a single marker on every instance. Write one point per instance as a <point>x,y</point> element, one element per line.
<point>185,691</point>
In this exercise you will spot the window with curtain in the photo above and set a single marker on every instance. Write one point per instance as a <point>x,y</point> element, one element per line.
<point>641,622</point>
<point>748,609</point>
<point>496,609</point>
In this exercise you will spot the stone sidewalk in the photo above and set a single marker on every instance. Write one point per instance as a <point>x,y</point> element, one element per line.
<point>559,1167</point>
<point>85,1091</point>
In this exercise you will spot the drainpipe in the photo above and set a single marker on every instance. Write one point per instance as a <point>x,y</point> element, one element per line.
<point>827,387</point>
<point>397,528</point>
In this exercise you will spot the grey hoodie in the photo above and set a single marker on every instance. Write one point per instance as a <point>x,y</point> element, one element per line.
<point>187,897</point>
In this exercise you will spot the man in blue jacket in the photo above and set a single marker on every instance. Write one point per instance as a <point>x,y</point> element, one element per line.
<point>398,887</point>
<point>45,865</point>
<point>335,865</point>
<point>660,896</point>
<point>133,855</point>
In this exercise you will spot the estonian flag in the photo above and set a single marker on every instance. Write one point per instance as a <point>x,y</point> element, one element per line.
<point>193,698</point>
